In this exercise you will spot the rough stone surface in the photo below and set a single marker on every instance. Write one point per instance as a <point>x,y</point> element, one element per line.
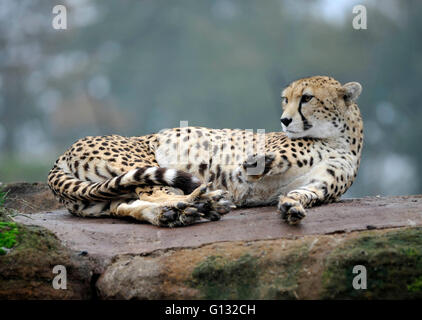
<point>32,197</point>
<point>109,237</point>
<point>249,254</point>
<point>26,271</point>
<point>393,261</point>
<point>311,267</point>
<point>133,277</point>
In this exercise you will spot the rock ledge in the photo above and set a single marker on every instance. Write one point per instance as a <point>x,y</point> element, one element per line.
<point>249,254</point>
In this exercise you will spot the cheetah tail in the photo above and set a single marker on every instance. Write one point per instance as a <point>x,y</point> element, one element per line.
<point>65,185</point>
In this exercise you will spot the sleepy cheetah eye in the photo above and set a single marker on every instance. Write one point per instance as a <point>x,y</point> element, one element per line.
<point>306,98</point>
<point>284,100</point>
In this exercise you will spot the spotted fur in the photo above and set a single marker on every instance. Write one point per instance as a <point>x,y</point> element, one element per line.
<point>157,178</point>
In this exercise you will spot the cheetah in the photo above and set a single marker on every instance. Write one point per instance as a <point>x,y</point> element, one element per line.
<point>180,176</point>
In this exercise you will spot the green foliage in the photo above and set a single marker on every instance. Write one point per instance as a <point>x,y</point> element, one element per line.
<point>3,196</point>
<point>8,234</point>
<point>416,286</point>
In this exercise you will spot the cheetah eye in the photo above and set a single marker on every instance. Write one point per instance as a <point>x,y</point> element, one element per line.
<point>306,98</point>
<point>284,100</point>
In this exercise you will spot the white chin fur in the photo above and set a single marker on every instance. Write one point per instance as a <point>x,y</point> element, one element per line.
<point>295,134</point>
<point>292,135</point>
<point>324,130</point>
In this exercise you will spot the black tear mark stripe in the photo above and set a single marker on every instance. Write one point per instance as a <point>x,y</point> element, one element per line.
<point>306,124</point>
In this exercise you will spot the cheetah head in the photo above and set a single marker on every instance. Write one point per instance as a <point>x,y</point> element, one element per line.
<point>316,107</point>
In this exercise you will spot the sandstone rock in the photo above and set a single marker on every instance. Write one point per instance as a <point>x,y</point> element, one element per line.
<point>26,270</point>
<point>249,254</point>
<point>110,237</point>
<point>132,277</point>
<point>313,267</point>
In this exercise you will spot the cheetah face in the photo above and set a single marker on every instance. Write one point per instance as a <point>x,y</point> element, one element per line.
<point>316,107</point>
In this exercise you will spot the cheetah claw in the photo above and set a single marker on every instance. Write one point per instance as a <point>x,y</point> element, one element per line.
<point>201,203</point>
<point>291,210</point>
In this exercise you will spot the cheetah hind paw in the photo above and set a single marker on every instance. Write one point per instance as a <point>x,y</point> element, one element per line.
<point>291,210</point>
<point>201,203</point>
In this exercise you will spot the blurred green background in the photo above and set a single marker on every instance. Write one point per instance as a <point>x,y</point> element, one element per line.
<point>135,67</point>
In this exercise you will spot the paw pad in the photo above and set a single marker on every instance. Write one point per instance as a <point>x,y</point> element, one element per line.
<point>291,211</point>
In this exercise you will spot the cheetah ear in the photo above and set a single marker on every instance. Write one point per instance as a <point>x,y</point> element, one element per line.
<point>352,91</point>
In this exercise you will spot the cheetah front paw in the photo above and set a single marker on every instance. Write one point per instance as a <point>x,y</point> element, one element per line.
<point>291,210</point>
<point>201,203</point>
<point>177,216</point>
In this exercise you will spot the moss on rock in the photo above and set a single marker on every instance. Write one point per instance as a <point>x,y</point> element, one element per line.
<point>287,270</point>
<point>3,197</point>
<point>8,233</point>
<point>221,278</point>
<point>255,274</point>
<point>393,261</point>
<point>26,270</point>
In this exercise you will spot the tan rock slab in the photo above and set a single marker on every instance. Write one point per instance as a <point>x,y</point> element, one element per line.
<point>109,237</point>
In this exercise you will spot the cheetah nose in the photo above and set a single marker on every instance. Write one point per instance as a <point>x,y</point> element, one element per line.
<point>286,121</point>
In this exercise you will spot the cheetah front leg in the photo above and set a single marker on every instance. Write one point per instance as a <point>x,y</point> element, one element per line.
<point>168,209</point>
<point>292,206</point>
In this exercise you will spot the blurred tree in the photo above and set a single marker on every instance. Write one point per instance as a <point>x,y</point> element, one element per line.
<point>21,40</point>
<point>134,67</point>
